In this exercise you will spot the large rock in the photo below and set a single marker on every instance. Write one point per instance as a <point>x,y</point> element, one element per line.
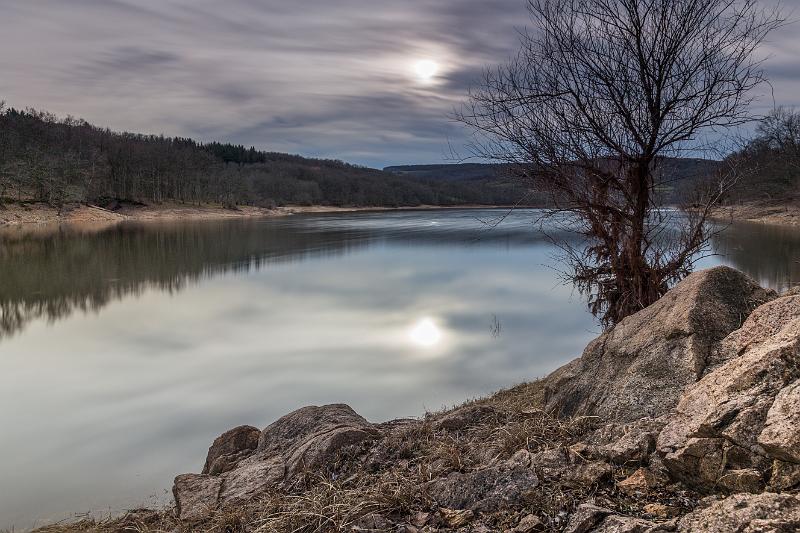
<point>309,437</point>
<point>761,326</point>
<point>230,448</point>
<point>196,495</point>
<point>730,428</point>
<point>781,434</point>
<point>640,367</point>
<point>243,464</point>
<point>746,513</point>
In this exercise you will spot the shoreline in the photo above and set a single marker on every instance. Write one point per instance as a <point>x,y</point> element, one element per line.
<point>95,217</point>
<point>782,214</point>
<point>89,217</point>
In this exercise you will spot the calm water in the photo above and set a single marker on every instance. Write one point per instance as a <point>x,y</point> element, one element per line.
<point>124,353</point>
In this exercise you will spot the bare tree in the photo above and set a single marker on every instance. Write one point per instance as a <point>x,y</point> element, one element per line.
<point>601,92</point>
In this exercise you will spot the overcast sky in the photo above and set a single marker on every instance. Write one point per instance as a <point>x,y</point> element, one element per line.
<point>331,78</point>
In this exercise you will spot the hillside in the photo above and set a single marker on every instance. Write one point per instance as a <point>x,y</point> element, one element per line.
<point>679,175</point>
<point>65,161</point>
<point>462,171</point>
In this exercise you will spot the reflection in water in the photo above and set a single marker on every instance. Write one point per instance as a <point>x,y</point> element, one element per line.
<point>186,330</point>
<point>425,333</point>
<point>53,275</point>
<point>769,254</point>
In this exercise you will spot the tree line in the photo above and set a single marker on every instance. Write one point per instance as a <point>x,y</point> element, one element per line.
<point>44,158</point>
<point>769,164</point>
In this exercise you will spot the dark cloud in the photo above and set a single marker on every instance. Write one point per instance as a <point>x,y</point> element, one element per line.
<point>123,61</point>
<point>322,78</point>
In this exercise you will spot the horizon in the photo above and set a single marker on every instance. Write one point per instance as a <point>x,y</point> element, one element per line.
<point>372,88</point>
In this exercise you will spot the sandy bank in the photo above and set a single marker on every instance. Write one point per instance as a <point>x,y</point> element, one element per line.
<point>20,214</point>
<point>786,214</point>
<point>91,217</point>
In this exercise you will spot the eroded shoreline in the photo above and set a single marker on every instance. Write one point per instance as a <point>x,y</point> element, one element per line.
<point>94,217</point>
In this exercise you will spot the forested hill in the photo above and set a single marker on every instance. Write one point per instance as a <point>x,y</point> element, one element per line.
<point>678,175</point>
<point>676,168</point>
<point>62,161</point>
<point>462,171</point>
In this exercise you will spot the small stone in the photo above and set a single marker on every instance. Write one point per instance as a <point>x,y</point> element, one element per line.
<point>623,524</point>
<point>660,510</point>
<point>632,448</point>
<point>420,518</point>
<point>456,518</point>
<point>251,477</point>
<point>639,482</point>
<point>742,480</point>
<point>521,458</point>
<point>585,451</point>
<point>552,463</point>
<point>528,524</point>
<point>589,474</point>
<point>784,476</point>
<point>372,523</point>
<point>586,517</point>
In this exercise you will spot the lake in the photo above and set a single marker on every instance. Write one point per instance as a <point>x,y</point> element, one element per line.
<point>125,352</point>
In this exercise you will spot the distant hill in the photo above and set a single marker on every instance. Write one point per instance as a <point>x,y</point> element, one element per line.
<point>679,174</point>
<point>677,167</point>
<point>462,171</point>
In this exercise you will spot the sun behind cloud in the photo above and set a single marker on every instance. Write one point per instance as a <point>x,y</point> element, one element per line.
<point>426,70</point>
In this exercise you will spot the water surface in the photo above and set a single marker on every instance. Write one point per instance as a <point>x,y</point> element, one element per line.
<point>124,353</point>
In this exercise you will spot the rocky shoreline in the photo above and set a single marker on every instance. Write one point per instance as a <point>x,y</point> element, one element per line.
<point>683,418</point>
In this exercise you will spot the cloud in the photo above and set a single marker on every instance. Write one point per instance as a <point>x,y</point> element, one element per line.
<point>331,79</point>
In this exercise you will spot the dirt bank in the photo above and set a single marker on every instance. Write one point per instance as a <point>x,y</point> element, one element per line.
<point>786,214</point>
<point>90,216</point>
<point>38,213</point>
